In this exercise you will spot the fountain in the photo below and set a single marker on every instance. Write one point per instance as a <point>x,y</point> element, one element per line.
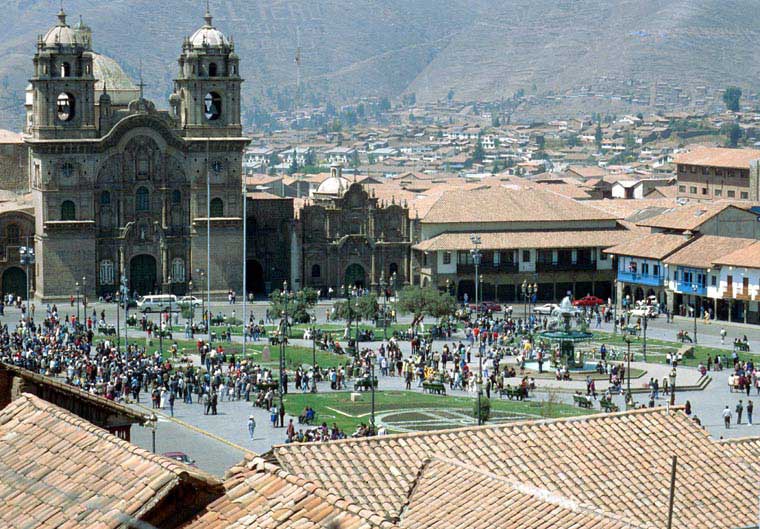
<point>566,328</point>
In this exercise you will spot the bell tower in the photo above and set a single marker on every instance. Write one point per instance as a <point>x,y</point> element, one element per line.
<point>206,99</point>
<point>63,87</point>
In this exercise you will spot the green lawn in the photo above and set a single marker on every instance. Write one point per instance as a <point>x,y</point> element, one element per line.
<point>296,331</point>
<point>294,355</point>
<point>336,407</point>
<point>657,349</point>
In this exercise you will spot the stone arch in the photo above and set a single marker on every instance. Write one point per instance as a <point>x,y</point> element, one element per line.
<point>14,281</point>
<point>355,276</point>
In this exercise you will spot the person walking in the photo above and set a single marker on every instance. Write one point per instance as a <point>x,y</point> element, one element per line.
<point>739,410</point>
<point>251,426</point>
<point>727,417</point>
<point>722,335</point>
<point>750,407</point>
<point>171,403</point>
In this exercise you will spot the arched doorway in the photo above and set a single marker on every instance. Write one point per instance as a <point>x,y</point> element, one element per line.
<point>466,286</point>
<point>355,276</point>
<point>254,279</point>
<point>14,282</point>
<point>142,274</point>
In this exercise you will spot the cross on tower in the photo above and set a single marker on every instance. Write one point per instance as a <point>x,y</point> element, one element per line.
<point>141,84</point>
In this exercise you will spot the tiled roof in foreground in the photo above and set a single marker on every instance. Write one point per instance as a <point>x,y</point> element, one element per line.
<point>260,495</point>
<point>617,463</point>
<point>57,470</point>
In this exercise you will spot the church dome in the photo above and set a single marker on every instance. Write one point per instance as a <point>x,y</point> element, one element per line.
<point>333,186</point>
<point>208,35</point>
<point>60,34</point>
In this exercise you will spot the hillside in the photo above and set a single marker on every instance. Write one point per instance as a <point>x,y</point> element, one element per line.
<point>480,49</point>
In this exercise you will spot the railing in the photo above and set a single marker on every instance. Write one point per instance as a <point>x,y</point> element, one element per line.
<point>504,267</point>
<point>687,288</point>
<point>565,266</point>
<point>642,279</point>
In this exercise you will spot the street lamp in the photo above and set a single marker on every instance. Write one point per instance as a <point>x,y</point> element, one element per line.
<point>628,339</point>
<point>383,286</point>
<point>644,348</point>
<point>528,291</point>
<point>283,334</point>
<point>476,257</point>
<point>192,305</point>
<point>124,289</point>
<point>84,297</point>
<point>202,274</point>
<point>394,282</point>
<point>27,258</point>
<point>695,287</point>
<point>372,390</point>
<point>672,386</point>
<point>614,306</point>
<point>76,285</point>
<point>314,357</point>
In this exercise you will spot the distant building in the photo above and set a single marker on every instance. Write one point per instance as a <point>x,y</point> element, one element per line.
<point>716,173</point>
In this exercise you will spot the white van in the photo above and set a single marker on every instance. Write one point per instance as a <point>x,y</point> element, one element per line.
<point>158,303</point>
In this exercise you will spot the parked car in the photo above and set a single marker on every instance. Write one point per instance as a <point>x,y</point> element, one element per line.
<point>588,301</point>
<point>485,306</point>
<point>545,310</point>
<point>158,303</point>
<point>642,310</point>
<point>181,457</point>
<point>189,300</point>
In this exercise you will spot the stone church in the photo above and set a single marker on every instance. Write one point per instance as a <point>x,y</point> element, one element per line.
<point>120,188</point>
<point>349,238</point>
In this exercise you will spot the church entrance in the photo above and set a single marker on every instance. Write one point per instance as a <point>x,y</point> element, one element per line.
<point>254,279</point>
<point>142,275</point>
<point>355,276</point>
<point>14,282</point>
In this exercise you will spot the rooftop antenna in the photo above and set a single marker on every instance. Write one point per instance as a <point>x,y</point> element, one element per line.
<point>141,84</point>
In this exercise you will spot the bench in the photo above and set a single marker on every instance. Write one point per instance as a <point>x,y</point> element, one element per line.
<point>363,384</point>
<point>584,401</point>
<point>608,405</point>
<point>512,393</point>
<point>434,387</point>
<point>265,386</point>
<point>108,330</point>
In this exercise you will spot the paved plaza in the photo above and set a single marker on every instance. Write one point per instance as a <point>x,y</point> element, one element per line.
<point>218,441</point>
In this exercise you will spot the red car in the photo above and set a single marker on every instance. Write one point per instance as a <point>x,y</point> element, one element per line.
<point>485,306</point>
<point>588,301</point>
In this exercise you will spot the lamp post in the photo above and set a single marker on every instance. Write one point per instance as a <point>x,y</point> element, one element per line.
<point>479,384</point>
<point>476,257</point>
<point>628,339</point>
<point>118,330</point>
<point>27,258</point>
<point>192,305</point>
<point>672,386</point>
<point>614,306</point>
<point>383,286</point>
<point>314,358</point>
<point>372,390</point>
<point>283,334</point>
<point>644,348</point>
<point>84,297</point>
<point>76,286</point>
<point>202,274</point>
<point>124,289</point>
<point>695,287</point>
<point>394,283</point>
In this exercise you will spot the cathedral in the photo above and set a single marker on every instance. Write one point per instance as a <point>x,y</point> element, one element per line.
<point>121,189</point>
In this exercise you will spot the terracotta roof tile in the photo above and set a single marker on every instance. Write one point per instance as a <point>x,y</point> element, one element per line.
<point>718,157</point>
<point>503,240</point>
<point>611,462</point>
<point>62,471</point>
<point>651,246</point>
<point>703,251</point>
<point>747,256</point>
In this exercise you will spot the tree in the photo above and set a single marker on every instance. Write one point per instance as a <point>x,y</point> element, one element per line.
<point>731,98</point>
<point>733,133</point>
<point>598,136</point>
<point>478,153</point>
<point>425,301</point>
<point>356,309</point>
<point>297,304</point>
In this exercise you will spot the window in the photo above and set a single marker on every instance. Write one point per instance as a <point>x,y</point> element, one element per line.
<point>68,210</point>
<point>731,194</point>
<point>682,189</point>
<point>105,198</point>
<point>65,70</point>
<point>704,190</point>
<point>106,274</point>
<point>718,192</point>
<point>497,258</point>
<point>656,270</point>
<point>464,257</point>
<point>212,106</point>
<point>714,281</point>
<point>65,106</point>
<point>693,190</point>
<point>212,70</point>
<point>446,258</point>
<point>645,268</point>
<point>744,195</point>
<point>178,270</point>
<point>12,232</point>
<point>176,197</point>
<point>316,271</point>
<point>602,255</point>
<point>142,199</point>
<point>526,256</point>
<point>217,207</point>
<point>142,165</point>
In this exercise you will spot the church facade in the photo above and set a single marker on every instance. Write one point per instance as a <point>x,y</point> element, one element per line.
<point>121,189</point>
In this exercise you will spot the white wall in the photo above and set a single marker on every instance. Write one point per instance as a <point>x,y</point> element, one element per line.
<point>450,268</point>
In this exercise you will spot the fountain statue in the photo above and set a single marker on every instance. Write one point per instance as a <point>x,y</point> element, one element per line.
<point>566,328</point>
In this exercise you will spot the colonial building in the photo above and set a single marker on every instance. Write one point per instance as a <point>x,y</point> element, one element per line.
<point>716,173</point>
<point>349,238</point>
<point>532,236</point>
<point>119,187</point>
